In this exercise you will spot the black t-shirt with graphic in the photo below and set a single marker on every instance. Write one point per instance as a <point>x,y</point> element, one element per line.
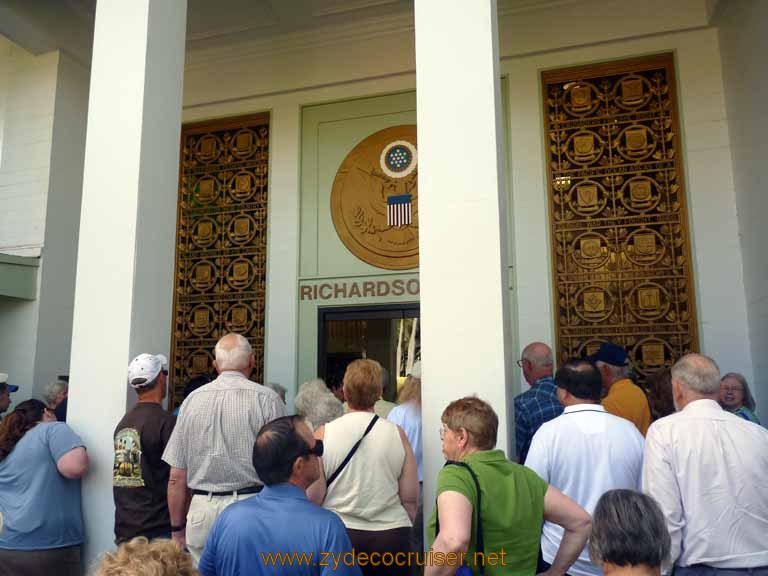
<point>139,476</point>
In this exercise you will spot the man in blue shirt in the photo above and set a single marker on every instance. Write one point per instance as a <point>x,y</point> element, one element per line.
<point>540,403</point>
<point>279,531</point>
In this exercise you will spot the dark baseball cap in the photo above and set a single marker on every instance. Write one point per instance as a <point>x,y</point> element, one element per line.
<point>610,353</point>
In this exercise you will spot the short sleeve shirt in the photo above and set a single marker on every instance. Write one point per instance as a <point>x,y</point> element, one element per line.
<point>139,475</point>
<point>216,429</point>
<point>41,508</point>
<point>512,514</point>
<point>626,400</point>
<point>532,409</point>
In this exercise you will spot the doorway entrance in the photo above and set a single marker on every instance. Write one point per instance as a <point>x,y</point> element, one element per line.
<point>389,334</point>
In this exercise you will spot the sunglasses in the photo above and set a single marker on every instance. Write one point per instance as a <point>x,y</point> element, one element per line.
<point>317,449</point>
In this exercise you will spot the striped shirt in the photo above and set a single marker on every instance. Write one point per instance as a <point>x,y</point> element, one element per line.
<point>216,429</point>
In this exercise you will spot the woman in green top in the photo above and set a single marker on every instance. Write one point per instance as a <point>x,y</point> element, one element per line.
<point>514,501</point>
<point>736,397</point>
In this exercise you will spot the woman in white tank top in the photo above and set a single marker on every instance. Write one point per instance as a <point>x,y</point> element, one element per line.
<point>376,492</point>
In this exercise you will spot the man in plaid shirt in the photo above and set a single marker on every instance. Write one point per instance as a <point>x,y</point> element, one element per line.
<point>540,403</point>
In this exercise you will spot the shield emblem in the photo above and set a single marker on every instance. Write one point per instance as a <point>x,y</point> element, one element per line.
<point>653,354</point>
<point>239,317</point>
<point>240,271</point>
<point>200,363</point>
<point>594,301</point>
<point>201,318</point>
<point>203,273</point>
<point>207,146</point>
<point>645,244</point>
<point>587,196</point>
<point>581,97</point>
<point>590,248</point>
<point>242,227</point>
<point>648,299</point>
<point>584,144</point>
<point>243,183</point>
<point>637,140</point>
<point>205,190</point>
<point>204,230</point>
<point>243,142</point>
<point>632,90</point>
<point>640,191</point>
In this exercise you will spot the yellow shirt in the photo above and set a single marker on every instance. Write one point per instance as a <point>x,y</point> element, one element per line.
<point>627,400</point>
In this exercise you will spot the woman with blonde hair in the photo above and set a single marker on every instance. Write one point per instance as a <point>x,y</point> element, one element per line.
<point>368,473</point>
<point>140,557</point>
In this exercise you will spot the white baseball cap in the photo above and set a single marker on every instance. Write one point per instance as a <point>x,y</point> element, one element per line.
<point>145,368</point>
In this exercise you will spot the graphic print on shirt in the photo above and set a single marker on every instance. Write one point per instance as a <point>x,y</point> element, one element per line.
<point>126,472</point>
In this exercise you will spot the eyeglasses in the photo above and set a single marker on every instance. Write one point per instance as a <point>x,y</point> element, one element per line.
<point>732,388</point>
<point>317,449</point>
<point>520,362</point>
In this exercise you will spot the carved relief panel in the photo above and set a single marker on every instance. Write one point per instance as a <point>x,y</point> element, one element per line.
<point>621,255</point>
<point>221,243</point>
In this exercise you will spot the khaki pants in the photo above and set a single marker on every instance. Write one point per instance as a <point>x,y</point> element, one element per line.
<point>203,511</point>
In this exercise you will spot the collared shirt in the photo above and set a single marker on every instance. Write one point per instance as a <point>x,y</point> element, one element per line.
<point>216,429</point>
<point>627,400</point>
<point>584,452</point>
<point>408,417</point>
<point>532,409</point>
<point>708,469</point>
<point>278,520</point>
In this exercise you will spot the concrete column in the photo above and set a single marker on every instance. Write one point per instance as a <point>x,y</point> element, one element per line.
<point>283,249</point>
<point>462,230</point>
<point>124,287</point>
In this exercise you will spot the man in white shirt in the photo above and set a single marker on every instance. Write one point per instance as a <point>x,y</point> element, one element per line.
<point>584,452</point>
<point>708,469</point>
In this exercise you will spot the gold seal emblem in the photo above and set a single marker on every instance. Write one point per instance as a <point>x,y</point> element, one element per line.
<point>374,199</point>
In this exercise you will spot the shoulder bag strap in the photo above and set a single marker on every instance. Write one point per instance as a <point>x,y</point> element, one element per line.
<point>479,542</point>
<point>346,460</point>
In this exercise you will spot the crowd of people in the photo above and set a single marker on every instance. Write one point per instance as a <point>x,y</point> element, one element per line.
<point>609,479</point>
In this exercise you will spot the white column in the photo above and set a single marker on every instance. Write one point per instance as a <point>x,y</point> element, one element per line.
<point>283,248</point>
<point>462,230</point>
<point>124,289</point>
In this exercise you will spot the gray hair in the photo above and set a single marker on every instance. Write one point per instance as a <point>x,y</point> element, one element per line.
<point>749,400</point>
<point>233,352</point>
<point>317,403</point>
<point>53,389</point>
<point>698,373</point>
<point>628,529</point>
<point>538,354</point>
<point>618,372</point>
<point>277,388</point>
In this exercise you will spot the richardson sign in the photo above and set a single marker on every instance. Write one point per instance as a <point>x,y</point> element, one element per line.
<point>348,289</point>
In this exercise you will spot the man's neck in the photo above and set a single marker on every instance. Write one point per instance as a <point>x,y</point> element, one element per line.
<point>692,397</point>
<point>635,570</point>
<point>149,400</point>
<point>573,401</point>
<point>540,376</point>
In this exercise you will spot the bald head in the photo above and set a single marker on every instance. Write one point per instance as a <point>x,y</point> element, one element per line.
<point>536,361</point>
<point>233,352</point>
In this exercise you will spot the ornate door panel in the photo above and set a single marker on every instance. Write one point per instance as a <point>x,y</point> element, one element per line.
<point>221,243</point>
<point>621,255</point>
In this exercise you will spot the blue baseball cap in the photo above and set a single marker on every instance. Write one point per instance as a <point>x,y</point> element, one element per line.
<point>610,353</point>
<point>4,380</point>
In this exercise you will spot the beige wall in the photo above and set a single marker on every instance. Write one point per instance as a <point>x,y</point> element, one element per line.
<point>743,28</point>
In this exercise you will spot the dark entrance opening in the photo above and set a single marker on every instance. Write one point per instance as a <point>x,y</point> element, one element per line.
<point>389,334</point>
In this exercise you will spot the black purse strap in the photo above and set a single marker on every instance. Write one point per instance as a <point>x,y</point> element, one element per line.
<point>479,542</point>
<point>346,460</point>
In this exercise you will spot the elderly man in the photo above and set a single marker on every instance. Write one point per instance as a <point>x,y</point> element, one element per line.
<point>624,398</point>
<point>584,453</point>
<point>540,403</point>
<point>252,536</point>
<point>140,477</point>
<point>5,393</point>
<point>707,469</point>
<point>210,449</point>
<point>55,396</point>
